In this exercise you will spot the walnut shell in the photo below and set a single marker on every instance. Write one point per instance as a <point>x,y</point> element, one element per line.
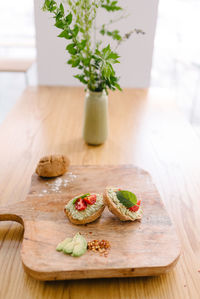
<point>52,166</point>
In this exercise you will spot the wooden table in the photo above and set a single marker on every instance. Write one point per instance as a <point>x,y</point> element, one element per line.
<point>145,129</point>
<point>15,65</point>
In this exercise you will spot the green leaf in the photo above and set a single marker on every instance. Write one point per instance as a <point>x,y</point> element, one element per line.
<point>82,44</point>
<point>81,78</point>
<point>102,31</point>
<point>97,52</point>
<point>118,86</point>
<point>58,16</point>
<point>70,61</point>
<point>113,55</point>
<point>87,73</point>
<point>86,61</point>
<point>70,48</point>
<point>45,5</point>
<point>66,34</point>
<point>114,34</point>
<point>75,30</point>
<point>82,196</point>
<point>68,18</point>
<point>127,198</point>
<point>111,6</point>
<point>76,62</point>
<point>49,5</point>
<point>59,24</point>
<point>95,66</point>
<point>106,51</point>
<point>107,70</point>
<point>62,8</point>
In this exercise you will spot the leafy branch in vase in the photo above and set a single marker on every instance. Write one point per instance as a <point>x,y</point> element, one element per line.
<point>77,22</point>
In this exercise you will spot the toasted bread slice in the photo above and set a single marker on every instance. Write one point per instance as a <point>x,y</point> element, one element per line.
<point>117,208</point>
<point>80,217</point>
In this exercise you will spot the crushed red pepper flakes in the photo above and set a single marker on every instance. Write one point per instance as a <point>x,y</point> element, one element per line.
<point>100,246</point>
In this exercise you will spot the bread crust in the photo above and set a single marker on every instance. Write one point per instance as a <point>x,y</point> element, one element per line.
<point>89,219</point>
<point>52,166</point>
<point>113,209</point>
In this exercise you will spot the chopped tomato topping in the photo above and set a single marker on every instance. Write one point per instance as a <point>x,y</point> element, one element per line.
<point>80,204</point>
<point>136,207</point>
<point>90,199</point>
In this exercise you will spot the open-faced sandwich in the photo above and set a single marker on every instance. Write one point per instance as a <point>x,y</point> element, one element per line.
<point>85,208</point>
<point>124,204</point>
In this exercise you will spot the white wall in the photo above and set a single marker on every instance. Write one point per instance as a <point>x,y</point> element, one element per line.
<point>136,53</point>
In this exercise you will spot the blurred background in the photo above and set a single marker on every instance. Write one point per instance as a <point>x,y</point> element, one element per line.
<point>167,57</point>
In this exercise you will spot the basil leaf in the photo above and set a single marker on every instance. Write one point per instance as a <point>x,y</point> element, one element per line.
<point>82,196</point>
<point>127,198</point>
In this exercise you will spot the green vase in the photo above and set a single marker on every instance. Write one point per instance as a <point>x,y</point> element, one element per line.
<point>95,128</point>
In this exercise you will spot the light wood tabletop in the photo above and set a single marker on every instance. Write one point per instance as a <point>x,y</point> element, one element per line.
<point>146,130</point>
<point>15,65</point>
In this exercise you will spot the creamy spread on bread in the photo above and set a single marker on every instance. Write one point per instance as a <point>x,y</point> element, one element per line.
<point>89,211</point>
<point>113,196</point>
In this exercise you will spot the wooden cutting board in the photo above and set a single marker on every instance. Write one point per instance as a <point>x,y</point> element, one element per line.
<point>140,248</point>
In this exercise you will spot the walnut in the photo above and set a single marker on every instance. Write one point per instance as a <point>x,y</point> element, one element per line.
<point>52,166</point>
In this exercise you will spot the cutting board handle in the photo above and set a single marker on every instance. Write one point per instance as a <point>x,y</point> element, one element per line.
<point>7,213</point>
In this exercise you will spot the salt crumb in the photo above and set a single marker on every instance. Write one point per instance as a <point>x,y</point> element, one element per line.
<point>58,183</point>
